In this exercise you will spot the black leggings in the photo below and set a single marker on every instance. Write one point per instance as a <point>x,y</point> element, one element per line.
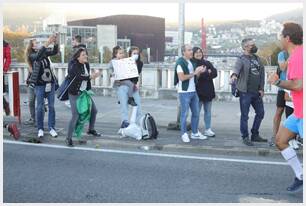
<point>288,111</point>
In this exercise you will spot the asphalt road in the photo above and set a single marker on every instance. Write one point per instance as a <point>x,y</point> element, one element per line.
<point>38,173</point>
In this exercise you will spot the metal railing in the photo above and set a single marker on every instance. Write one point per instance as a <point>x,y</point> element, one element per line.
<point>153,76</point>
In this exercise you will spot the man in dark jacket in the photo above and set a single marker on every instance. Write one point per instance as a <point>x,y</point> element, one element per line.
<point>250,75</point>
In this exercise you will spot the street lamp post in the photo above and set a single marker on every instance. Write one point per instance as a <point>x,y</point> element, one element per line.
<point>181,32</point>
<point>181,28</point>
<point>62,49</point>
<point>101,54</point>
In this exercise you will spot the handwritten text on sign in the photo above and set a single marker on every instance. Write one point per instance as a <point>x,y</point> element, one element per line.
<point>125,68</point>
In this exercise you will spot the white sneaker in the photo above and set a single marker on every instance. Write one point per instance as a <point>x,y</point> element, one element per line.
<point>53,133</point>
<point>294,144</point>
<point>209,133</point>
<point>198,136</point>
<point>40,133</point>
<point>185,137</point>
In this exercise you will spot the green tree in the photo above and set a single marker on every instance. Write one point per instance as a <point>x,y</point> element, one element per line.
<point>16,41</point>
<point>107,55</point>
<point>269,53</point>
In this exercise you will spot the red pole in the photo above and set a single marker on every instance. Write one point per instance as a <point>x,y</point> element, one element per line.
<point>16,96</point>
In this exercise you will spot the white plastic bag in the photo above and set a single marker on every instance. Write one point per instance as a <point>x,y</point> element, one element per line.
<point>133,130</point>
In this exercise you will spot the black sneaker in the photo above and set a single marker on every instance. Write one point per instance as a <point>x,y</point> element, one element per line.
<point>296,186</point>
<point>132,102</point>
<point>69,142</point>
<point>257,138</point>
<point>247,142</point>
<point>94,133</point>
<point>82,141</point>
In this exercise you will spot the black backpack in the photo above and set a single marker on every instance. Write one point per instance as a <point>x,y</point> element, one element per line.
<point>148,127</point>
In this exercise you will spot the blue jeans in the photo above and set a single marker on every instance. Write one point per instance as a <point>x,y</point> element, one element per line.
<point>122,93</point>
<point>40,109</point>
<point>246,100</point>
<point>189,100</point>
<point>207,113</point>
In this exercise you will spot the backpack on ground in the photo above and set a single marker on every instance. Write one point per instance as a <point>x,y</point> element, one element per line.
<point>148,127</point>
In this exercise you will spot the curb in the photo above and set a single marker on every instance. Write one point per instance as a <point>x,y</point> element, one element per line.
<point>122,143</point>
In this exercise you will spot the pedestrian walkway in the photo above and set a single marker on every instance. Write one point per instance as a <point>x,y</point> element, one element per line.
<point>225,123</point>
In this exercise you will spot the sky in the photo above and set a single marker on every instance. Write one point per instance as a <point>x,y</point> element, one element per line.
<point>169,11</point>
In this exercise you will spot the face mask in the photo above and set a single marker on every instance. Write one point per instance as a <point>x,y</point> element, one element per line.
<point>135,57</point>
<point>38,47</point>
<point>254,49</point>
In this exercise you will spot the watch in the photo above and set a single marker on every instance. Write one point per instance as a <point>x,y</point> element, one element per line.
<point>277,82</point>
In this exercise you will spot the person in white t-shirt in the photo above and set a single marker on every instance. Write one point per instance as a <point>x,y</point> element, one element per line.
<point>185,77</point>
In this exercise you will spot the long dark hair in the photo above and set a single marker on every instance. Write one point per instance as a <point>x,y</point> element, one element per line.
<point>195,49</point>
<point>115,51</point>
<point>77,54</point>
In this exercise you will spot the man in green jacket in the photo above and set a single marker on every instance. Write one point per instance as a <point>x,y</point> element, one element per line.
<point>185,80</point>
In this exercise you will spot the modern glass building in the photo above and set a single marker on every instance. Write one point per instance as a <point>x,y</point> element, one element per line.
<point>88,34</point>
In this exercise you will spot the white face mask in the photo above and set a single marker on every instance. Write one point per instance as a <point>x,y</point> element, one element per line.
<point>38,46</point>
<point>135,56</point>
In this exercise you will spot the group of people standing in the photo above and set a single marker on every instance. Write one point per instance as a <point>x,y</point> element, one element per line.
<point>42,84</point>
<point>194,80</point>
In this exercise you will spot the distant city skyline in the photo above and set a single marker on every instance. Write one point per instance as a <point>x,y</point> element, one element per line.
<point>169,11</point>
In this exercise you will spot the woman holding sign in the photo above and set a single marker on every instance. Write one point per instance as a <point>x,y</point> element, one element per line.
<point>127,90</point>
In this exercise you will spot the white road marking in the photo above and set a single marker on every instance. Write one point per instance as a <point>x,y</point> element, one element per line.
<point>148,153</point>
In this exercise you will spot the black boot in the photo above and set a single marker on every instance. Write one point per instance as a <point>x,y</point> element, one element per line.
<point>132,102</point>
<point>69,142</point>
<point>257,138</point>
<point>94,133</point>
<point>247,142</point>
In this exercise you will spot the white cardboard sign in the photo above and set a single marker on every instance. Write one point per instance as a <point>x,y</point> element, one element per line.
<point>125,68</point>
